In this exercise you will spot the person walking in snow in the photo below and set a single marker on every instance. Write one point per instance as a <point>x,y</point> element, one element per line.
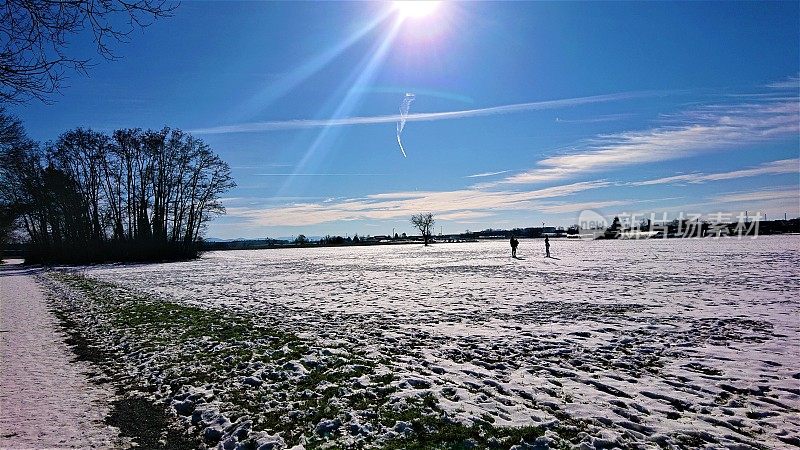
<point>514,244</point>
<point>547,246</point>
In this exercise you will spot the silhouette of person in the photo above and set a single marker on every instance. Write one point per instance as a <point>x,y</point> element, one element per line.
<point>547,246</point>
<point>514,244</point>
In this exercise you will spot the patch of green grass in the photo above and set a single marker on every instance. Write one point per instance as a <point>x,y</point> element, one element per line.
<point>432,429</point>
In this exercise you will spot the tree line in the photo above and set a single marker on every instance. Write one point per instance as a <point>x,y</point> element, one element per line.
<point>131,195</point>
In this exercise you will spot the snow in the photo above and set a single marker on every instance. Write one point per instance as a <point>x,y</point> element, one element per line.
<point>46,398</point>
<point>659,340</point>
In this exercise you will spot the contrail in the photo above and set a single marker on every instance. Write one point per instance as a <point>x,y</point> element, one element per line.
<point>404,107</point>
<point>421,117</point>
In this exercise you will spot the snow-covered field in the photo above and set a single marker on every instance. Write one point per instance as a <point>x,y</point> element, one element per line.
<point>659,342</point>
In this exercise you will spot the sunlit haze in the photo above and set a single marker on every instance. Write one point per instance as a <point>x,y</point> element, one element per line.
<point>416,8</point>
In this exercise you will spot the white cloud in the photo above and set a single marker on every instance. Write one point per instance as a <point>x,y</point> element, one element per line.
<point>707,129</point>
<point>788,83</point>
<point>768,168</point>
<point>461,204</point>
<point>774,202</point>
<point>754,196</point>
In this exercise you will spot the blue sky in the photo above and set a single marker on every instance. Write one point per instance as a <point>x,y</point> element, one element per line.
<point>524,112</point>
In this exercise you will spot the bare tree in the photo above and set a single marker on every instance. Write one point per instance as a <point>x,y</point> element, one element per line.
<point>15,148</point>
<point>134,195</point>
<point>34,38</point>
<point>424,223</point>
<point>17,156</point>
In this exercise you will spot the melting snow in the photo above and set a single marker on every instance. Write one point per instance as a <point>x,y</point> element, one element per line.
<point>657,340</point>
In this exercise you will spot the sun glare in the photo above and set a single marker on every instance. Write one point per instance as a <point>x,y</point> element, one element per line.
<point>408,9</point>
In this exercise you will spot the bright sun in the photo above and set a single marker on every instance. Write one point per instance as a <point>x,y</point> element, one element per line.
<point>415,8</point>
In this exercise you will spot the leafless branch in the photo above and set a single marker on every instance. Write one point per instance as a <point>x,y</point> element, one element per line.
<point>34,35</point>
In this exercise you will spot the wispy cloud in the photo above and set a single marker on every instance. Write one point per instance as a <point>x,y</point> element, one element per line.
<point>487,174</point>
<point>725,125</point>
<point>420,117</point>
<point>461,204</point>
<point>788,193</point>
<point>717,127</point>
<point>773,201</point>
<point>705,129</point>
<point>767,168</point>
<point>789,83</point>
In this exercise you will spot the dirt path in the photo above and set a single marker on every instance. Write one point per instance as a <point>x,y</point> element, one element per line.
<point>46,400</point>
